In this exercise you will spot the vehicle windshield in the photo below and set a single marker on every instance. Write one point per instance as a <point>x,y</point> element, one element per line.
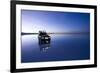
<point>42,33</point>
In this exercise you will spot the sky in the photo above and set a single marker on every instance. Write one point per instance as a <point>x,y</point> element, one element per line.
<point>53,21</point>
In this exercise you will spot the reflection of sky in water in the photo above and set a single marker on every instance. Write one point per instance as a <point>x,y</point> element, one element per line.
<point>63,47</point>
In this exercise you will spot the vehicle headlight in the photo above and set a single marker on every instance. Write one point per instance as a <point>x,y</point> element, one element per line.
<point>46,37</point>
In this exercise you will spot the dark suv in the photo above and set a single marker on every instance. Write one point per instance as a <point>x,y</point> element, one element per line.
<point>44,38</point>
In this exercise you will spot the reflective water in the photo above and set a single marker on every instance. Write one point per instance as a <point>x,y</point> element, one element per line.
<point>62,47</point>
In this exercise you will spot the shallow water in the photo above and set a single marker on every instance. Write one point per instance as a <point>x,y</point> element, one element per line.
<point>62,47</point>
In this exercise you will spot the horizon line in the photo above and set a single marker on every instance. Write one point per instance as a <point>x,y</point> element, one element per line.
<point>23,33</point>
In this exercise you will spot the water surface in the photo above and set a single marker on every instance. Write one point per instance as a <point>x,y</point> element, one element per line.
<point>62,47</point>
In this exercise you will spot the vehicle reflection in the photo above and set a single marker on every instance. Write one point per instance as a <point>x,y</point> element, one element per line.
<point>44,41</point>
<point>44,47</point>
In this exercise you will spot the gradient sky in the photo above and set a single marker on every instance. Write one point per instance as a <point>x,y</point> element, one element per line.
<point>52,21</point>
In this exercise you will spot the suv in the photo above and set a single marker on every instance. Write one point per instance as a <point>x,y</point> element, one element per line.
<point>44,38</point>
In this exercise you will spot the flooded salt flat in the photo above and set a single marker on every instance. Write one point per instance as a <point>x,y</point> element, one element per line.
<point>62,47</point>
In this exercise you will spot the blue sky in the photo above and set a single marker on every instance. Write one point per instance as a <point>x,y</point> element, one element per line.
<point>52,21</point>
